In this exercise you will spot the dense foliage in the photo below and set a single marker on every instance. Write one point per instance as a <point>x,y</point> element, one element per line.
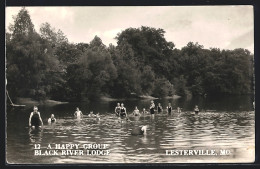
<point>45,65</point>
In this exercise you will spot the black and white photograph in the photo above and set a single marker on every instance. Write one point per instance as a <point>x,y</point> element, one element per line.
<point>130,84</point>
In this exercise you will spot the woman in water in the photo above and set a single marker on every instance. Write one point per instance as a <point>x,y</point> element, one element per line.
<point>136,112</point>
<point>196,109</point>
<point>118,109</point>
<point>123,113</point>
<point>152,107</point>
<point>169,108</point>
<point>35,119</point>
<point>52,119</point>
<point>159,108</point>
<point>78,113</point>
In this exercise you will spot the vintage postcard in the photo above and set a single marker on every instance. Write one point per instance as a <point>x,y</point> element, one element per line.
<point>130,84</point>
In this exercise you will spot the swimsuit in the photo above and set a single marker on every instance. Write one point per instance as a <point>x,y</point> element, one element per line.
<point>122,113</point>
<point>118,109</point>
<point>35,120</point>
<point>152,110</point>
<point>159,109</point>
<point>169,109</point>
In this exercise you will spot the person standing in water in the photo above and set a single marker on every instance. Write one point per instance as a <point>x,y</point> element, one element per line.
<point>52,119</point>
<point>178,110</point>
<point>35,119</point>
<point>159,108</point>
<point>152,108</point>
<point>196,109</point>
<point>118,109</point>
<point>78,113</point>
<point>123,113</point>
<point>169,108</point>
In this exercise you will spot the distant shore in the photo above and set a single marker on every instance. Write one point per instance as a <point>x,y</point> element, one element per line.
<point>29,101</point>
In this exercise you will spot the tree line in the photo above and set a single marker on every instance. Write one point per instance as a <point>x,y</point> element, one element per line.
<point>45,65</point>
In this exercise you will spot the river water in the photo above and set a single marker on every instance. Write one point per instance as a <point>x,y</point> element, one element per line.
<point>224,124</point>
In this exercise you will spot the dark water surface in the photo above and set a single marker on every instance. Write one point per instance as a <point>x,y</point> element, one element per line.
<point>223,123</point>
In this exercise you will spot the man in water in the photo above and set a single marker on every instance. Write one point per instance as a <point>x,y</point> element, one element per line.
<point>35,119</point>
<point>52,119</point>
<point>78,113</point>
<point>118,109</point>
<point>169,108</point>
<point>196,109</point>
<point>159,108</point>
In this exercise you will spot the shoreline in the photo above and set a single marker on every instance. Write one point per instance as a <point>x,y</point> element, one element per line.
<point>29,101</point>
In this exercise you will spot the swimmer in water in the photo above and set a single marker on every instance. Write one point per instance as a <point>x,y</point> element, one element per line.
<point>123,113</point>
<point>78,113</point>
<point>136,112</point>
<point>98,116</point>
<point>35,119</point>
<point>159,108</point>
<point>52,119</point>
<point>91,114</point>
<point>152,109</point>
<point>144,111</point>
<point>139,130</point>
<point>196,109</point>
<point>178,110</point>
<point>118,109</point>
<point>169,108</point>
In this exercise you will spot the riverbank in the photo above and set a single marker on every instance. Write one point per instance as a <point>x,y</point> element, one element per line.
<point>29,101</point>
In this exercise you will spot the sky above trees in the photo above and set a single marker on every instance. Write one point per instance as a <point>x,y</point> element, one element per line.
<point>225,27</point>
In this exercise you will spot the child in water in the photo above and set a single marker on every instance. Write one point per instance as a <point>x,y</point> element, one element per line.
<point>52,119</point>
<point>196,109</point>
<point>78,113</point>
<point>35,119</point>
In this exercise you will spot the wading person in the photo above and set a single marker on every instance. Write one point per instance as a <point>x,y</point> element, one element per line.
<point>159,108</point>
<point>78,113</point>
<point>144,111</point>
<point>196,109</point>
<point>35,119</point>
<point>123,113</point>
<point>52,119</point>
<point>169,108</point>
<point>136,112</point>
<point>118,109</point>
<point>152,107</point>
<point>91,114</point>
<point>178,110</point>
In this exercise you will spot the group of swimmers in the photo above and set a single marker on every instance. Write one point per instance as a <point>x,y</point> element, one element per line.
<point>120,110</point>
<point>35,119</point>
